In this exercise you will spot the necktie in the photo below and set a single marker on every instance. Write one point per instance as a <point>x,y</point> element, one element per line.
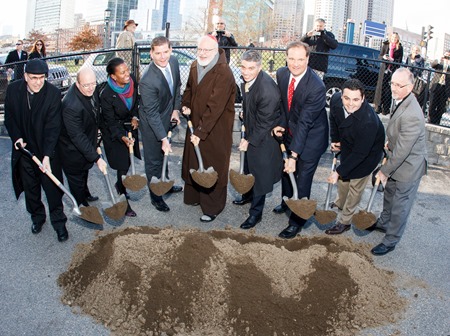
<point>168,78</point>
<point>291,92</point>
<point>246,87</point>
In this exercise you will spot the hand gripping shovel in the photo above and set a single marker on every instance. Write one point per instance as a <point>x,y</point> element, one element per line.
<point>206,178</point>
<point>326,216</point>
<point>241,182</point>
<point>133,182</point>
<point>90,214</point>
<point>303,208</point>
<point>364,218</point>
<point>117,211</point>
<point>161,187</point>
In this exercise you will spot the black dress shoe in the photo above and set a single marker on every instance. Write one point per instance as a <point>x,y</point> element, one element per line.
<point>279,209</point>
<point>36,227</point>
<point>160,205</point>
<point>242,200</point>
<point>91,198</point>
<point>338,228</point>
<point>290,232</point>
<point>250,222</point>
<point>175,189</point>
<point>382,249</point>
<point>130,212</point>
<point>374,227</point>
<point>62,233</point>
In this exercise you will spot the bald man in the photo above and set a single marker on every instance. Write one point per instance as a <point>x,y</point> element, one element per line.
<point>77,144</point>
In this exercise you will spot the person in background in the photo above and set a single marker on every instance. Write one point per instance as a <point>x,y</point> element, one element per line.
<point>391,51</point>
<point>224,37</point>
<point>209,100</point>
<point>250,43</point>
<point>126,40</point>
<point>406,162</point>
<point>17,55</point>
<point>320,40</point>
<point>33,120</point>
<point>38,50</point>
<point>415,59</point>
<point>439,89</point>
<point>119,102</point>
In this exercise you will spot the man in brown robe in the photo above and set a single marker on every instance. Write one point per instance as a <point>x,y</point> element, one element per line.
<point>209,100</point>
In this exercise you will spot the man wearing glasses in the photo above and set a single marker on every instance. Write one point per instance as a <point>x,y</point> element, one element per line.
<point>33,121</point>
<point>224,37</point>
<point>17,55</point>
<point>77,144</point>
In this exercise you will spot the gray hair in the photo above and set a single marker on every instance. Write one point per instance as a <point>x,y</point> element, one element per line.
<point>252,56</point>
<point>408,73</point>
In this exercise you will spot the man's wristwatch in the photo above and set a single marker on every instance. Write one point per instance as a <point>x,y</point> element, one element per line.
<point>295,158</point>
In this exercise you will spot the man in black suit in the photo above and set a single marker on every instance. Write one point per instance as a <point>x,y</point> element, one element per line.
<point>160,103</point>
<point>17,55</point>
<point>304,121</point>
<point>77,144</point>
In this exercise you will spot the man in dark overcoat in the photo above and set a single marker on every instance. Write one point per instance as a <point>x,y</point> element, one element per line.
<point>160,103</point>
<point>77,144</point>
<point>17,55</point>
<point>356,131</point>
<point>33,120</point>
<point>209,99</point>
<point>261,113</point>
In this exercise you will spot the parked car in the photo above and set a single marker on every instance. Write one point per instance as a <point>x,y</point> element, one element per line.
<point>352,61</point>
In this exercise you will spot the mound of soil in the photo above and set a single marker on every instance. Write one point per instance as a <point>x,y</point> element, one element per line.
<point>147,281</point>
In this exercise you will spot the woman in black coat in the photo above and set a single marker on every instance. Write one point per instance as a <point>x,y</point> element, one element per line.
<point>119,103</point>
<point>38,50</point>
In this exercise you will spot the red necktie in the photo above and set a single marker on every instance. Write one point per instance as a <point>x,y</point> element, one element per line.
<point>291,92</point>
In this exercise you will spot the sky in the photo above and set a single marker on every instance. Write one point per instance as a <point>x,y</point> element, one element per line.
<point>406,14</point>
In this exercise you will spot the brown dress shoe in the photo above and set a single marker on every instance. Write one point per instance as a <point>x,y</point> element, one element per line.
<point>338,228</point>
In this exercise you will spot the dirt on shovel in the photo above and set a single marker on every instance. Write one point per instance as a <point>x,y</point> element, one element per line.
<point>241,183</point>
<point>303,208</point>
<point>206,178</point>
<point>364,219</point>
<point>91,214</point>
<point>134,182</point>
<point>117,211</point>
<point>324,217</point>
<point>161,187</point>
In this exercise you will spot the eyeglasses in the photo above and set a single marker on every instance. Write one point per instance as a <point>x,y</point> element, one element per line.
<point>220,22</point>
<point>200,50</point>
<point>18,43</point>
<point>89,85</point>
<point>399,86</point>
<point>36,78</point>
<point>39,44</point>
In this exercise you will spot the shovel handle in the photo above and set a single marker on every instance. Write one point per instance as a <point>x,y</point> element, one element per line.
<point>286,157</point>
<point>105,174</point>
<point>196,148</point>
<point>374,189</point>
<point>130,147</point>
<point>330,185</point>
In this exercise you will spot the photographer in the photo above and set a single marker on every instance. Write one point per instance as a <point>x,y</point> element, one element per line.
<point>322,41</point>
<point>224,37</point>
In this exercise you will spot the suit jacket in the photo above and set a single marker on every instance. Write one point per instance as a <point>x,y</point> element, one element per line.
<point>307,120</point>
<point>361,135</point>
<point>407,156</point>
<point>78,141</point>
<point>13,57</point>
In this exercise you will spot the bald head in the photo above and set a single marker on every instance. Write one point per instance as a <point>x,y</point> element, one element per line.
<point>207,49</point>
<point>86,81</point>
<point>402,83</point>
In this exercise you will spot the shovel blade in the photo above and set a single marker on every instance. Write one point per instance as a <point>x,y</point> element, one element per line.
<point>91,214</point>
<point>324,217</point>
<point>364,219</point>
<point>135,182</point>
<point>117,211</point>
<point>206,179</point>
<point>160,188</point>
<point>303,208</point>
<point>241,183</point>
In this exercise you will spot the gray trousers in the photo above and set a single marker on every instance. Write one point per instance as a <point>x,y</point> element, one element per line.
<point>397,203</point>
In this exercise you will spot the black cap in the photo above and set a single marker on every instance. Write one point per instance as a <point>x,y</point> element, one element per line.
<point>36,66</point>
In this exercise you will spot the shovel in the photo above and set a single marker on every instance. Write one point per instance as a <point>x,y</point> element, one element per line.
<point>90,213</point>
<point>205,178</point>
<point>161,187</point>
<point>364,218</point>
<point>133,182</point>
<point>303,208</point>
<point>326,216</point>
<point>117,210</point>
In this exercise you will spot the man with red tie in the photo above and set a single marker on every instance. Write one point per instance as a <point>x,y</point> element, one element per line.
<point>304,124</point>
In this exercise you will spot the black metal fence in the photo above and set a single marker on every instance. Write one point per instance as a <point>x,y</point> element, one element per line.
<point>364,66</point>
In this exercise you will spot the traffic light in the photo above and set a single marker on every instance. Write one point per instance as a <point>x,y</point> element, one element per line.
<point>424,34</point>
<point>429,37</point>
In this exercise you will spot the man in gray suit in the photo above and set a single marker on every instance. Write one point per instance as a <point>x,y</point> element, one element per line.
<point>160,103</point>
<point>406,164</point>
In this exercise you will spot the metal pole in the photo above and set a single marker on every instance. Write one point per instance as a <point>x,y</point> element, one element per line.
<point>167,29</point>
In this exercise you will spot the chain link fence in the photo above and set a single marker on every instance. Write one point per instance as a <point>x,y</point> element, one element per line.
<point>347,61</point>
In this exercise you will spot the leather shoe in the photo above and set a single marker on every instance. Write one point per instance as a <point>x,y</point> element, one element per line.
<point>290,232</point>
<point>62,233</point>
<point>242,200</point>
<point>279,209</point>
<point>92,198</point>
<point>175,189</point>
<point>338,228</point>
<point>36,227</point>
<point>160,205</point>
<point>374,227</point>
<point>250,222</point>
<point>382,249</point>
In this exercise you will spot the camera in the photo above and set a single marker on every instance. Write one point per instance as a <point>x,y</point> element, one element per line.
<point>417,56</point>
<point>317,33</point>
<point>220,32</point>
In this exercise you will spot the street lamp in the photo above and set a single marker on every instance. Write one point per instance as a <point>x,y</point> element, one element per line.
<point>107,17</point>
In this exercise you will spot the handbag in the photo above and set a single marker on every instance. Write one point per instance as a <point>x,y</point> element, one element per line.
<point>419,86</point>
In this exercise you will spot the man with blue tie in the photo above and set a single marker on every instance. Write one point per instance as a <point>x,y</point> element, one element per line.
<point>304,123</point>
<point>160,103</point>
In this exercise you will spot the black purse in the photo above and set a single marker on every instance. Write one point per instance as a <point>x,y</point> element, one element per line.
<point>419,86</point>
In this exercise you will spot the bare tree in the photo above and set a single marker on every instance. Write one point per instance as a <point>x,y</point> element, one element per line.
<point>87,39</point>
<point>35,35</point>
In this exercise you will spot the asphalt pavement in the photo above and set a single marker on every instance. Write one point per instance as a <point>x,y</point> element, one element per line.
<point>30,264</point>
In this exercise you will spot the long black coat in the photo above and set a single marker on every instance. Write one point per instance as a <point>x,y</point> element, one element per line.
<point>39,130</point>
<point>361,135</point>
<point>322,43</point>
<point>13,57</point>
<point>114,115</point>
<point>78,141</point>
<point>261,113</point>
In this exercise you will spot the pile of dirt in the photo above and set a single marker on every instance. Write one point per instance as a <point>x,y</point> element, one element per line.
<point>147,281</point>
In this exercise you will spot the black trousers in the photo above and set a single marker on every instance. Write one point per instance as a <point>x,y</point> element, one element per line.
<point>78,185</point>
<point>33,180</point>
<point>438,99</point>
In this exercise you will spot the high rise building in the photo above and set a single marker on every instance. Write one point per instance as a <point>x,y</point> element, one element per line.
<point>335,14</point>
<point>167,11</point>
<point>49,15</point>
